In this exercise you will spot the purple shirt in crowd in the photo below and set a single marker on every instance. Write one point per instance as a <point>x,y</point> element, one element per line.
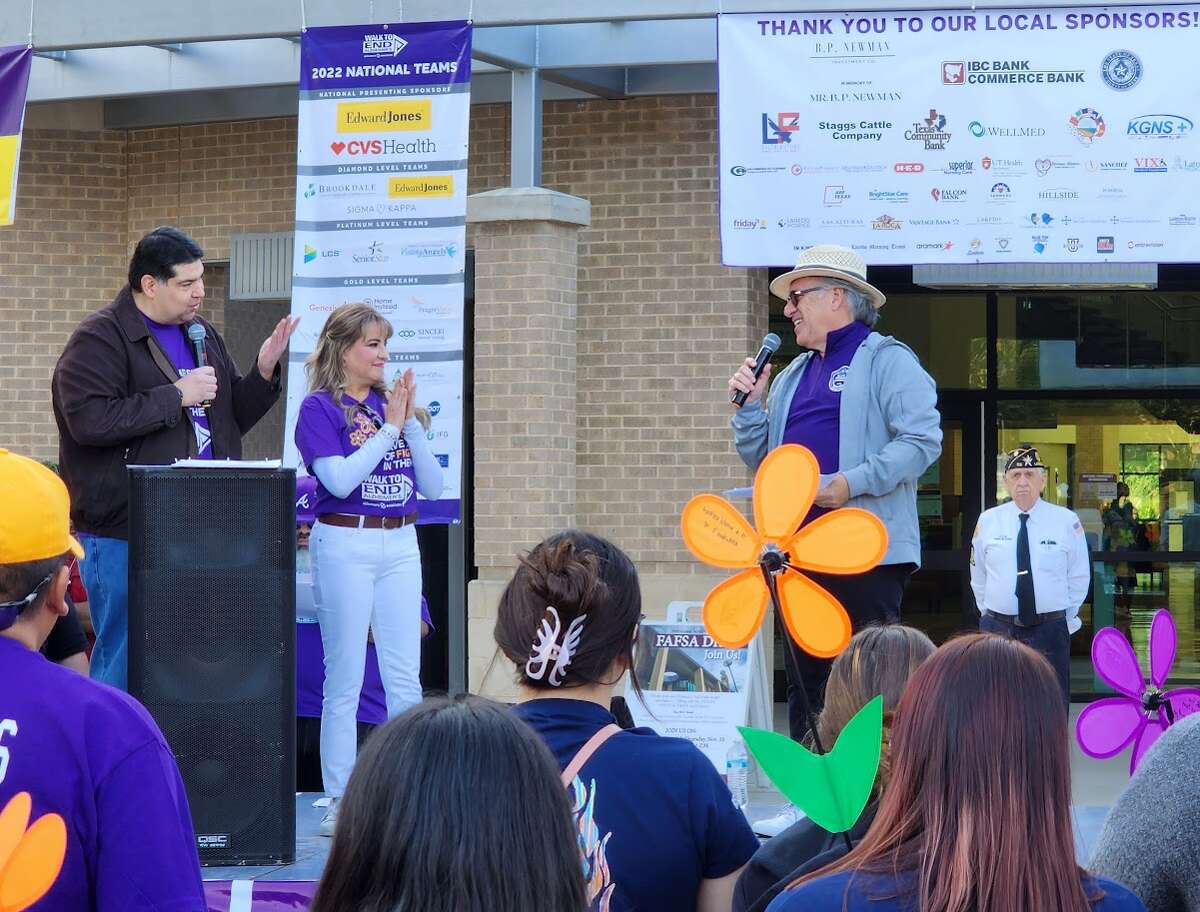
<point>814,420</point>
<point>321,430</point>
<point>94,756</point>
<point>174,342</point>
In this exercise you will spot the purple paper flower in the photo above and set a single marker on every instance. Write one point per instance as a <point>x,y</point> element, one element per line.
<point>1143,711</point>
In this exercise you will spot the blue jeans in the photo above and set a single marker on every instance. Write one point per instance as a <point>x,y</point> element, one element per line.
<point>105,572</point>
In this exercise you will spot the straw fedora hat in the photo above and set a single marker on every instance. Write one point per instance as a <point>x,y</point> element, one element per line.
<point>833,262</point>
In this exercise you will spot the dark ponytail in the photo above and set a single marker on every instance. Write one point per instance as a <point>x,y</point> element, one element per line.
<point>577,574</point>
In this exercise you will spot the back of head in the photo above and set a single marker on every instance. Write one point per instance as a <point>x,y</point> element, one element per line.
<point>978,806</point>
<point>879,660</point>
<point>454,806</point>
<point>574,591</point>
<point>158,253</point>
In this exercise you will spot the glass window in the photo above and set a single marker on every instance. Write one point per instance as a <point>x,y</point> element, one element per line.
<point>1130,469</point>
<point>948,332</point>
<point>1128,339</point>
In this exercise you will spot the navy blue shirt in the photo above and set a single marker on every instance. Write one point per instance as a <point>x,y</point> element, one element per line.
<point>654,807</point>
<point>814,420</point>
<point>856,892</point>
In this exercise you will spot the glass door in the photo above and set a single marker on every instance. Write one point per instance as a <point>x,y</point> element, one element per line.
<point>950,497</point>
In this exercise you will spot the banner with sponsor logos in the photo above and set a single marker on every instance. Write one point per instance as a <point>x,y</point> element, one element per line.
<point>381,202</point>
<point>14,85</point>
<point>1023,135</point>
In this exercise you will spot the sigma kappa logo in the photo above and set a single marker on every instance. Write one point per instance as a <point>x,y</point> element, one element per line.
<point>837,380</point>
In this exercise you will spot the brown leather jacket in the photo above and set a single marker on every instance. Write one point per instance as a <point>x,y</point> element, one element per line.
<point>116,405</point>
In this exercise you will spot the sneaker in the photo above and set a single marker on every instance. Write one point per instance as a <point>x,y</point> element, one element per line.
<point>329,821</point>
<point>773,826</point>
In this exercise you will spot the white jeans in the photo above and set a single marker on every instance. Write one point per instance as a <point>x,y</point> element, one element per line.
<point>364,578</point>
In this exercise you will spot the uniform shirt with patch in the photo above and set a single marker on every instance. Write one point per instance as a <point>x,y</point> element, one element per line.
<point>321,430</point>
<point>1058,554</point>
<point>653,816</point>
<point>93,755</point>
<point>814,419</point>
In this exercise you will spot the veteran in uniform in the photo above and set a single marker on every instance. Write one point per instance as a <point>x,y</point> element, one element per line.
<point>1030,567</point>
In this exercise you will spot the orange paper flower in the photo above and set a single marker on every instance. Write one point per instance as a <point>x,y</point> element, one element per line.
<point>845,541</point>
<point>30,859</point>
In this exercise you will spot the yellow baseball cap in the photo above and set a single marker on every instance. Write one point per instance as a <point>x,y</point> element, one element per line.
<point>35,512</point>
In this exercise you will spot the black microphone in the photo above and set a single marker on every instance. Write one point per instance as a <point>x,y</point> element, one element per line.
<point>196,334</point>
<point>770,345</point>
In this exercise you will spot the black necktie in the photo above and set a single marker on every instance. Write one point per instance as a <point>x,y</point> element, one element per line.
<point>1026,604</point>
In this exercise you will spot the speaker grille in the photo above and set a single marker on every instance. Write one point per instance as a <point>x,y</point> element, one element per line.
<point>212,558</point>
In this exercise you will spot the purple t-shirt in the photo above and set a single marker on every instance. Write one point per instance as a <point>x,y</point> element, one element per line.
<point>321,430</point>
<point>94,756</point>
<point>814,420</point>
<point>179,352</point>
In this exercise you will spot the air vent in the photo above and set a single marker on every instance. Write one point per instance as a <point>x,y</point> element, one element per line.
<point>260,267</point>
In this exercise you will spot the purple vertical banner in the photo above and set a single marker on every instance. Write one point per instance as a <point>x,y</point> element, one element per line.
<point>14,85</point>
<point>381,201</point>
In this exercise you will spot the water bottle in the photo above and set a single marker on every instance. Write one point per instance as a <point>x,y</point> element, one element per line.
<point>737,773</point>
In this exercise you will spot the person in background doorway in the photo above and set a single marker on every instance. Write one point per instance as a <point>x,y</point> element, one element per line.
<point>1030,567</point>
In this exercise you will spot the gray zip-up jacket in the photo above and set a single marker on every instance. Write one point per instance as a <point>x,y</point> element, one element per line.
<point>890,434</point>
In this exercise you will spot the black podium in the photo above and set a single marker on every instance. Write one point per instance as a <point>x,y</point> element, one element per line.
<point>212,646</point>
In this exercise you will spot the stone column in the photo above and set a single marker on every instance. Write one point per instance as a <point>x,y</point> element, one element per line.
<point>526,270</point>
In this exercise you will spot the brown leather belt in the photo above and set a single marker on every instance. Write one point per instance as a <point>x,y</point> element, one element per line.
<point>357,521</point>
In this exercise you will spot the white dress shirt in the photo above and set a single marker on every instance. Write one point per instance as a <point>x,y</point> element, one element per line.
<point>1058,553</point>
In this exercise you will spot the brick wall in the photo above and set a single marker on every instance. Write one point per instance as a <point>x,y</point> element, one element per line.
<point>63,257</point>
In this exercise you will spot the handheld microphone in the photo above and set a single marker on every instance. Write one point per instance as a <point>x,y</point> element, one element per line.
<point>196,333</point>
<point>770,345</point>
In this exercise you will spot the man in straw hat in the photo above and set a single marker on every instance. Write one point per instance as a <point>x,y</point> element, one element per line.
<point>865,407</point>
<point>1030,567</point>
<point>73,747</point>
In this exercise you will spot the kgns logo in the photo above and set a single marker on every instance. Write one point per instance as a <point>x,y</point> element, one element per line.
<point>779,131</point>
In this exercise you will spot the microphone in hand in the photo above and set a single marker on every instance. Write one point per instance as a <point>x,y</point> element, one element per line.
<point>741,386</point>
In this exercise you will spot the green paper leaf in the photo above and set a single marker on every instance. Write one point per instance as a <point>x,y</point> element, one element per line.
<point>832,789</point>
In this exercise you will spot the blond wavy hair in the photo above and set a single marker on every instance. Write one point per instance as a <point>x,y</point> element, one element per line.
<point>879,660</point>
<point>325,368</point>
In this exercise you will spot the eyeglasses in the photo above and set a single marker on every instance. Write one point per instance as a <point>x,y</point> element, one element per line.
<point>21,604</point>
<point>795,296</point>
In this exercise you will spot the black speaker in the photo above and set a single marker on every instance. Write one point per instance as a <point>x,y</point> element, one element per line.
<point>212,647</point>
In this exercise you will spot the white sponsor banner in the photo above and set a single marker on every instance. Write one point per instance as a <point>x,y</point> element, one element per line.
<point>381,199</point>
<point>1023,135</point>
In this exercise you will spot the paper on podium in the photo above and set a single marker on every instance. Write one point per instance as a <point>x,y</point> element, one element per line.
<point>225,464</point>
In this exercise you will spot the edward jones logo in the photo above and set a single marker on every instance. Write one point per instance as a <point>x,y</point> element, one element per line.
<point>384,116</point>
<point>426,185</point>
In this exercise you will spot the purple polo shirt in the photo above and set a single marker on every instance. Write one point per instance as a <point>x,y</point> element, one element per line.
<point>179,352</point>
<point>93,755</point>
<point>321,430</point>
<point>814,420</point>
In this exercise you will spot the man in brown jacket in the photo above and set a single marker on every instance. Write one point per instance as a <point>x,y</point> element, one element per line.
<point>127,390</point>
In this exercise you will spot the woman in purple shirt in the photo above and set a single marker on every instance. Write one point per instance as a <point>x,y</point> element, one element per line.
<point>370,458</point>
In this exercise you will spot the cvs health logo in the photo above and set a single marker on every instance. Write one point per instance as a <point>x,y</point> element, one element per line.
<point>358,147</point>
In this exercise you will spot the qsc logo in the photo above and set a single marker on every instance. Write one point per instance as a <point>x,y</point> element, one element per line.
<point>908,167</point>
<point>1159,126</point>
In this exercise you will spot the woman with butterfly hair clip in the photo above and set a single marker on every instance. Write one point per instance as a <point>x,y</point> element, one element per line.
<point>879,660</point>
<point>977,814</point>
<point>656,825</point>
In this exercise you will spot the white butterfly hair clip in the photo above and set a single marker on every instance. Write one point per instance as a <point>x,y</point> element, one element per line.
<point>547,650</point>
